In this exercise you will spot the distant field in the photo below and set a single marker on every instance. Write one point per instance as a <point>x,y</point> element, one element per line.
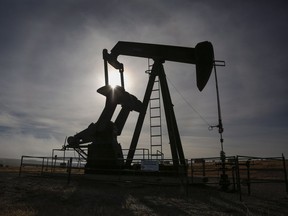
<point>9,162</point>
<point>11,169</point>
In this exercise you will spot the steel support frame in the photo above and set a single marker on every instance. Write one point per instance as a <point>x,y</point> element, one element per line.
<point>173,132</point>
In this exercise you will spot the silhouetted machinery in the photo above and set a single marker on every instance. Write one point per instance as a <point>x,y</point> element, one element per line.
<point>104,151</point>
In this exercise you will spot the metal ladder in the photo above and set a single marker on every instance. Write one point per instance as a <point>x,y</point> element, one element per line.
<point>155,120</point>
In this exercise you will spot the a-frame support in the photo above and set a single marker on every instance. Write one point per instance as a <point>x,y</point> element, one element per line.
<point>173,132</point>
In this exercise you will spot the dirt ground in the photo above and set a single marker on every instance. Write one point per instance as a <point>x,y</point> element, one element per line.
<point>30,195</point>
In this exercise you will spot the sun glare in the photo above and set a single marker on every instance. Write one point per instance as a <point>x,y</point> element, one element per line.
<point>115,79</point>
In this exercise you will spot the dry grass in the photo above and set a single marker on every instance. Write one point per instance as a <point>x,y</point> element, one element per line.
<point>34,195</point>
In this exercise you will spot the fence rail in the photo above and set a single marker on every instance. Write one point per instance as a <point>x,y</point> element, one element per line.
<point>241,172</point>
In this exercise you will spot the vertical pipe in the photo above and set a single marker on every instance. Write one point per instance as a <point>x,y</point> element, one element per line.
<point>122,78</point>
<point>106,73</point>
<point>105,53</point>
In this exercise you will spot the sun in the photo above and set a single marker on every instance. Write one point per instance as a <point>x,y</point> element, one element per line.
<point>114,79</point>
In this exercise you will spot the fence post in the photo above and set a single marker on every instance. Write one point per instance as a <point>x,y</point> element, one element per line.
<point>233,169</point>
<point>285,172</point>
<point>47,166</point>
<point>238,177</point>
<point>192,180</point>
<point>248,177</point>
<point>53,163</point>
<point>42,168</point>
<point>20,169</point>
<point>69,170</point>
<point>203,167</point>
<point>233,177</point>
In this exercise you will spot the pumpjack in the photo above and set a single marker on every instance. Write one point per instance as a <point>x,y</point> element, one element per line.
<point>100,138</point>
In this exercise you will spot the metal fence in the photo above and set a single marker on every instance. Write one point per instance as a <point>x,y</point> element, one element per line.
<point>45,165</point>
<point>241,174</point>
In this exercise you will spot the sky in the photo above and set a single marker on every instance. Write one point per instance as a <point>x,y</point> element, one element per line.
<point>51,66</point>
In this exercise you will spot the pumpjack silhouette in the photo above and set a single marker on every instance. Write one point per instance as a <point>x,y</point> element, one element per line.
<point>100,138</point>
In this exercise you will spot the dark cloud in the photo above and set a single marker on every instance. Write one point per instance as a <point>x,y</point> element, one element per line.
<point>51,64</point>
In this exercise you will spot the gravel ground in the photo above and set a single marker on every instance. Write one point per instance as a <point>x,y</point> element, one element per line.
<point>35,195</point>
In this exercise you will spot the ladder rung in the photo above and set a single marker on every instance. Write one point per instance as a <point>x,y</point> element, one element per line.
<point>156,107</point>
<point>155,89</point>
<point>155,126</point>
<point>156,154</point>
<point>154,98</point>
<point>155,116</point>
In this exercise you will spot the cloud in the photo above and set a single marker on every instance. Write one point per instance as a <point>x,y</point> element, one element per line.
<point>20,144</point>
<point>51,66</point>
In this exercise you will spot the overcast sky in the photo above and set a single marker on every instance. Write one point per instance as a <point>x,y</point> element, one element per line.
<point>51,66</point>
